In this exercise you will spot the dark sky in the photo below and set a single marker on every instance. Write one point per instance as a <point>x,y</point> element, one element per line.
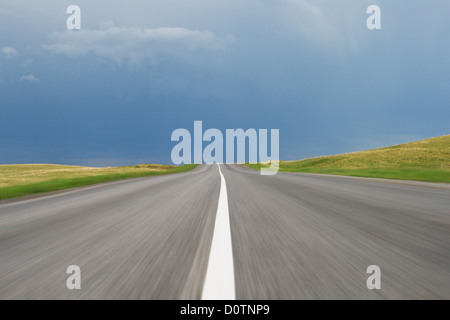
<point>113,92</point>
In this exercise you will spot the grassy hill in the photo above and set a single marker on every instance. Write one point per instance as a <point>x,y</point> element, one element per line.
<point>25,179</point>
<point>425,160</point>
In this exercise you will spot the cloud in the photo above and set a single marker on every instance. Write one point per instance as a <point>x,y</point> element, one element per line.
<point>309,19</point>
<point>29,78</point>
<point>332,22</point>
<point>8,13</point>
<point>135,44</point>
<point>26,63</point>
<point>9,52</point>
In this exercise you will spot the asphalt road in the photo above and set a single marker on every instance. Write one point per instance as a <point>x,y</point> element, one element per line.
<point>294,236</point>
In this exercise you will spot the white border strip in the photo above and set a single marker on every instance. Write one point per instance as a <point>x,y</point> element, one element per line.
<point>219,281</point>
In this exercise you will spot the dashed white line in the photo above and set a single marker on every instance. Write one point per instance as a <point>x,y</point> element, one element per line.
<point>219,281</point>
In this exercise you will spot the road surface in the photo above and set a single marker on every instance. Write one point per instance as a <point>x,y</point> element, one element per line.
<point>293,236</point>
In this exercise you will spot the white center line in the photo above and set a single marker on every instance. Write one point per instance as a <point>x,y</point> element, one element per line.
<point>219,281</point>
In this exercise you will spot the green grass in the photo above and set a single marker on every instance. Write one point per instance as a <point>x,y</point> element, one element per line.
<point>425,160</point>
<point>22,180</point>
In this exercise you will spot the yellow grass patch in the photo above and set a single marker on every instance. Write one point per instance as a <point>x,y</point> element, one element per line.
<point>431,153</point>
<point>23,174</point>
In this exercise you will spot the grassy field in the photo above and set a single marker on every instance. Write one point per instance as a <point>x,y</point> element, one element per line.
<point>425,160</point>
<point>25,179</point>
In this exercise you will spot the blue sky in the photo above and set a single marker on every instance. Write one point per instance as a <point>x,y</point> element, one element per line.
<point>113,92</point>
